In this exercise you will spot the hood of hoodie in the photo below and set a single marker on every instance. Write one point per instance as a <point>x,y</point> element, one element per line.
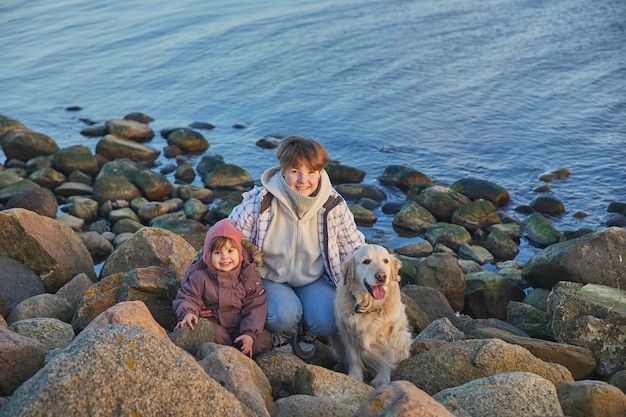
<point>222,228</point>
<point>270,180</point>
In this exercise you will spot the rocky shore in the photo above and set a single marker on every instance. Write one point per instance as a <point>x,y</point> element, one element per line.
<point>93,247</point>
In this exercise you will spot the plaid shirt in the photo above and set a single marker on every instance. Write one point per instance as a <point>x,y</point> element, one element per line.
<point>337,231</point>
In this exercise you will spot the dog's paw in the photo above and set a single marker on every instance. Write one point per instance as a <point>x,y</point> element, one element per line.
<point>380,380</point>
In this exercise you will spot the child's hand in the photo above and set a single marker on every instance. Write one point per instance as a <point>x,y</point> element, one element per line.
<point>206,313</point>
<point>189,320</point>
<point>246,344</point>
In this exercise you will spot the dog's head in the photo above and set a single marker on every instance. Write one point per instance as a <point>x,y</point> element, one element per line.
<point>371,267</point>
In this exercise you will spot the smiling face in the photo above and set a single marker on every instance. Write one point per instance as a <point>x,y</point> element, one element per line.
<point>225,257</point>
<point>302,179</point>
<point>372,267</point>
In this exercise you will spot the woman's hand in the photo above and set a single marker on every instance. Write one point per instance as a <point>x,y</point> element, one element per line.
<point>246,344</point>
<point>189,320</point>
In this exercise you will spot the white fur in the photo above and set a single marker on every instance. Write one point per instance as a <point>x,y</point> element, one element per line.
<point>373,335</point>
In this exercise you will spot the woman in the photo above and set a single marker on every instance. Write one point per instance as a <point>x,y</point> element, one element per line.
<point>304,229</point>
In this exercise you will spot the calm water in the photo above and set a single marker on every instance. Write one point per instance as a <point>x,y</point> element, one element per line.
<point>502,90</point>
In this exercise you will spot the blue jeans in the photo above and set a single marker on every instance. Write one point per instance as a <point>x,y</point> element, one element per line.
<point>286,305</point>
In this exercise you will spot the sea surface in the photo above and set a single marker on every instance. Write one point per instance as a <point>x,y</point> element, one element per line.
<point>501,90</point>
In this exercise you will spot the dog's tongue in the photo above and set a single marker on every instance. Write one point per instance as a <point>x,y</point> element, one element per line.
<point>378,291</point>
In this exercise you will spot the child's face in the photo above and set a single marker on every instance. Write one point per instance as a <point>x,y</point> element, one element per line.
<point>302,179</point>
<point>225,259</point>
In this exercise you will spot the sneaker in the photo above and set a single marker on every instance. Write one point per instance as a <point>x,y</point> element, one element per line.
<point>303,341</point>
<point>281,341</point>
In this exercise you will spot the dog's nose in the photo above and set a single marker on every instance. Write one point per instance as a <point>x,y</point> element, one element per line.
<point>381,276</point>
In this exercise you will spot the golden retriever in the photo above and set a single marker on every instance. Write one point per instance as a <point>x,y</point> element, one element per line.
<point>373,335</point>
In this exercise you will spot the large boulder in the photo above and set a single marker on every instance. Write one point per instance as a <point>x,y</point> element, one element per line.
<point>460,362</point>
<point>17,283</point>
<point>154,286</point>
<point>442,272</point>
<point>476,189</point>
<point>51,250</point>
<point>441,201</point>
<point>510,394</point>
<point>577,359</point>
<point>20,358</point>
<point>595,258</point>
<point>126,370</point>
<point>25,144</point>
<point>75,158</point>
<point>240,375</point>
<point>488,293</point>
<point>401,398</point>
<point>151,246</point>
<point>592,316</point>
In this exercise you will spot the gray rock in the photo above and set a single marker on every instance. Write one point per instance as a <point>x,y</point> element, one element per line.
<point>476,189</point>
<point>414,218</point>
<point>73,291</point>
<point>431,301</point>
<point>488,293</point>
<point>450,235</point>
<point>479,214</point>
<point>49,249</point>
<point>547,204</point>
<point>591,399</point>
<point>241,376</point>
<point>188,140</point>
<point>25,144</point>
<point>460,362</point>
<point>38,199</point>
<point>401,398</point>
<point>140,372</point>
<point>113,147</point>
<point>475,253</point>
<point>75,158</point>
<point>17,283</point>
<point>540,231</point>
<point>280,369</point>
<point>441,201</point>
<point>153,186</point>
<point>355,192</point>
<point>98,246</point>
<point>42,305</point>
<point>151,246</point>
<point>130,129</point>
<point>228,177</point>
<point>441,329</point>
<point>84,208</point>
<point>595,258</point>
<point>155,286</point>
<point>529,319</point>
<point>510,394</point>
<point>362,216</point>
<point>442,272</point>
<point>20,358</point>
<point>402,177</point>
<point>578,360</point>
<point>321,382</point>
<point>592,316</point>
<point>341,174</point>
<point>309,406</point>
<point>192,339</point>
<point>195,209</point>
<point>50,332</point>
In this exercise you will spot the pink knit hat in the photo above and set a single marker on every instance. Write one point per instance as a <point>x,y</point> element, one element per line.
<point>222,228</point>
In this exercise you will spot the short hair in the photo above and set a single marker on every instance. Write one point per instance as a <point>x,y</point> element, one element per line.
<point>219,242</point>
<point>296,150</point>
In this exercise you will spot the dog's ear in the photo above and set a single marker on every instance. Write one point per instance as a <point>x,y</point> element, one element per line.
<point>395,267</point>
<point>347,268</point>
